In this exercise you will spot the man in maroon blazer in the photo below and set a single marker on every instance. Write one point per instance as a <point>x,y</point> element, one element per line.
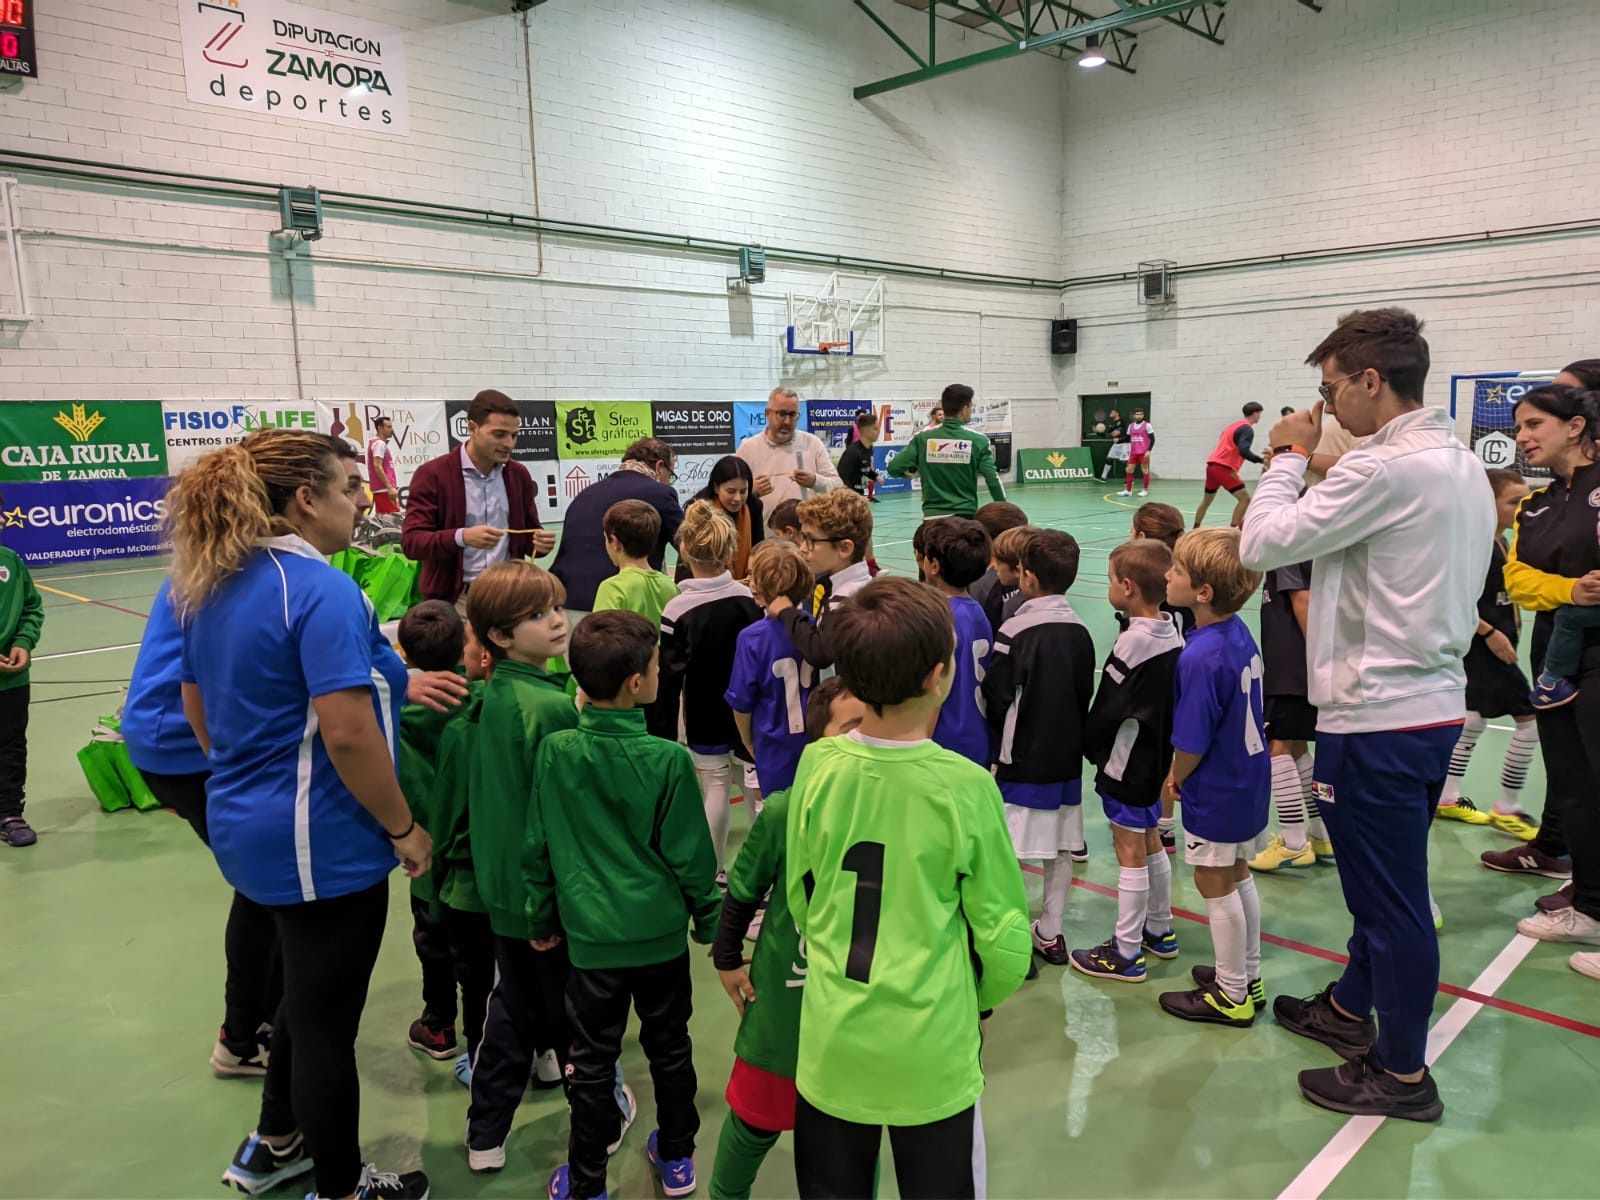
<point>463,503</point>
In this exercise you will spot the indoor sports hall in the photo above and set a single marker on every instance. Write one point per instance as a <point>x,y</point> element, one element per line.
<point>637,218</point>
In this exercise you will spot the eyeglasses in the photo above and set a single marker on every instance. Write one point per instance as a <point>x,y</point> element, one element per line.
<point>1327,390</point>
<point>807,542</point>
<point>784,414</point>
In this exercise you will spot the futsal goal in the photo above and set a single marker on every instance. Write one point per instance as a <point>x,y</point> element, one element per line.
<point>1483,404</point>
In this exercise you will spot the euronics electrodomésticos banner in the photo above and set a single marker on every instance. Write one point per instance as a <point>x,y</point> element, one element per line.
<point>88,480</point>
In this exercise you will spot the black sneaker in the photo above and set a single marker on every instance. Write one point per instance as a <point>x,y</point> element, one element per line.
<point>258,1168</point>
<point>235,1059</point>
<point>1364,1089</point>
<point>1210,1004</point>
<point>1054,951</point>
<point>1315,1017</point>
<point>435,1043</point>
<point>1204,974</point>
<point>1556,900</point>
<point>1169,840</point>
<point>387,1185</point>
<point>14,831</point>
<point>1080,854</point>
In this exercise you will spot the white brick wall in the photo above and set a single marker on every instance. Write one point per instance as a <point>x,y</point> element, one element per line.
<point>726,119</point>
<point>1377,120</point>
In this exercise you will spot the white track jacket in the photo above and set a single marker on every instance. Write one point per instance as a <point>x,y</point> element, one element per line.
<point>1400,533</point>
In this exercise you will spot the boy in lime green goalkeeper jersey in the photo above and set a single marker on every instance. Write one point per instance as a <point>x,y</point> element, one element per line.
<point>903,883</point>
<point>761,1093</point>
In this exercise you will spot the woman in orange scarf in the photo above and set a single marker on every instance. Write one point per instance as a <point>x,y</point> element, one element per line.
<point>732,488</point>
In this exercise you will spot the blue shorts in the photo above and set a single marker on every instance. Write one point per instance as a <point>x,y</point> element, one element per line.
<point>1066,794</point>
<point>1130,816</point>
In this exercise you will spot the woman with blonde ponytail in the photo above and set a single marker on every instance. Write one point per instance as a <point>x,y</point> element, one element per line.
<point>295,697</point>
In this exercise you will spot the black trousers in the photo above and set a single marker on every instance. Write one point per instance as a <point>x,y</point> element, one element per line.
<point>472,955</point>
<point>329,949</point>
<point>13,749</point>
<point>431,940</point>
<point>838,1160</point>
<point>1552,839</point>
<point>597,1007</point>
<point>525,1014</point>
<point>1569,739</point>
<point>254,985</point>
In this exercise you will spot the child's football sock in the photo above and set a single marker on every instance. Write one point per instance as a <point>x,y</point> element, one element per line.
<point>741,1149</point>
<point>1514,774</point>
<point>1460,756</point>
<point>1158,917</point>
<point>1288,799</point>
<point>1057,883</point>
<point>1229,934</point>
<point>1315,827</point>
<point>1133,902</point>
<point>1251,900</point>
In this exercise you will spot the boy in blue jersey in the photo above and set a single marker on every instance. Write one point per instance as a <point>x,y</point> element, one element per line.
<point>1220,771</point>
<point>1036,698</point>
<point>955,554</point>
<point>771,680</point>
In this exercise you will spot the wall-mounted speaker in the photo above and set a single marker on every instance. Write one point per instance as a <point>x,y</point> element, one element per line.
<point>1064,336</point>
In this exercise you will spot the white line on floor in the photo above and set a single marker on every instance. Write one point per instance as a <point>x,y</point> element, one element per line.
<point>1322,1170</point>
<point>80,653</point>
<point>103,574</point>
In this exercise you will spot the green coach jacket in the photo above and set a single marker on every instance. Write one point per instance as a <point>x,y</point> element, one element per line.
<point>949,460</point>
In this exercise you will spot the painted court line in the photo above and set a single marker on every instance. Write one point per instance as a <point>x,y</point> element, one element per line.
<point>1322,1170</point>
<point>87,600</point>
<point>81,653</point>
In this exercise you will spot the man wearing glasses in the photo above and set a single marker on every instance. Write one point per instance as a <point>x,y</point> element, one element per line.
<point>788,462</point>
<point>649,468</point>
<point>1222,468</point>
<point>1399,535</point>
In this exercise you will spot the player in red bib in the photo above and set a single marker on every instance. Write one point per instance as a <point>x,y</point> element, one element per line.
<point>385,484</point>
<point>1222,468</point>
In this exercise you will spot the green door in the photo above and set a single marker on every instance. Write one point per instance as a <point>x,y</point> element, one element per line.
<point>1097,412</point>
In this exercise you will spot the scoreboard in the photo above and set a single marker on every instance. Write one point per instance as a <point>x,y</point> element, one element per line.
<point>17,55</point>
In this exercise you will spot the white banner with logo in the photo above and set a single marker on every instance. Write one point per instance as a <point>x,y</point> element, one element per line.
<point>303,64</point>
<point>197,427</point>
<point>419,430</point>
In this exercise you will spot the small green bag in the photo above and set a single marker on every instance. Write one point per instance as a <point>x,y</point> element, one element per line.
<point>390,585</point>
<point>112,777</point>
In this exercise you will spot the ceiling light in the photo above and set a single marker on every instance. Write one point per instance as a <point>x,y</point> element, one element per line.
<point>1092,55</point>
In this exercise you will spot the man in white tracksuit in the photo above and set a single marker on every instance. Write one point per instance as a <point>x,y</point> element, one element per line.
<point>1400,534</point>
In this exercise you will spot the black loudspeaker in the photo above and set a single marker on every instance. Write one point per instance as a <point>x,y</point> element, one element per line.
<point>1064,336</point>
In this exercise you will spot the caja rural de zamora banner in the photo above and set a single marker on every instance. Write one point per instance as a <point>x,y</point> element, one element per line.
<point>85,480</point>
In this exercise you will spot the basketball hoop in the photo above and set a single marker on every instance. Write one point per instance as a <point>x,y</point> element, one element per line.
<point>833,347</point>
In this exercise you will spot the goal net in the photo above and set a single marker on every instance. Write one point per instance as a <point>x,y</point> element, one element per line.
<point>1484,407</point>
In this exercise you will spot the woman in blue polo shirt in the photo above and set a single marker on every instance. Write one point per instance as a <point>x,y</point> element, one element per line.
<point>296,698</point>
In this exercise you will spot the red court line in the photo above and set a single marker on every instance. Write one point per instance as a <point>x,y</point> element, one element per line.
<point>1449,989</point>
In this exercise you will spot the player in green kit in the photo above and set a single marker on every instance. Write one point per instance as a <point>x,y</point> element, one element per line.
<point>767,994</point>
<point>904,884</point>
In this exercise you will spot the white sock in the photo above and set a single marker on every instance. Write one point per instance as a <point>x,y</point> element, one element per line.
<point>1159,914</point>
<point>1252,926</point>
<point>1133,900</point>
<point>715,784</point>
<point>1471,731</point>
<point>1315,826</point>
<point>1166,824</point>
<point>1288,797</point>
<point>1524,739</point>
<point>1228,934</point>
<point>1057,882</point>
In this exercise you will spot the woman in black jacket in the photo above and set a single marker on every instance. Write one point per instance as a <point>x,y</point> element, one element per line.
<point>732,487</point>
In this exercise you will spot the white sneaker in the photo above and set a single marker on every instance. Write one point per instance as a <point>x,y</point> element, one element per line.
<point>1124,493</point>
<point>546,1071</point>
<point>1563,925</point>
<point>479,1161</point>
<point>1586,963</point>
<point>1144,492</point>
<point>630,1112</point>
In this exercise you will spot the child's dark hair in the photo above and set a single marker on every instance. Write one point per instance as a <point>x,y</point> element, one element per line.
<point>1565,403</point>
<point>636,526</point>
<point>960,547</point>
<point>1052,556</point>
<point>609,648</point>
<point>866,418</point>
<point>1144,563</point>
<point>1500,480</point>
<point>433,636</point>
<point>506,595</point>
<point>1000,515</point>
<point>785,516</point>
<point>1159,521</point>
<point>819,708</point>
<point>886,640</point>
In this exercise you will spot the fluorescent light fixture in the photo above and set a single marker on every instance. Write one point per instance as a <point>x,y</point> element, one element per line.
<point>1092,55</point>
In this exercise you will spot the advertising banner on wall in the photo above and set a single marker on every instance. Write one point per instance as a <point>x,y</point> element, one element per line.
<point>536,436</point>
<point>299,64</point>
<point>834,421</point>
<point>695,426</point>
<point>1062,464</point>
<point>72,442</point>
<point>419,430</point>
<point>197,427</point>
<point>71,521</point>
<point>600,428</point>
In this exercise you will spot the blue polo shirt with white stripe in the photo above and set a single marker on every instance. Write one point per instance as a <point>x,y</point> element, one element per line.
<point>285,630</point>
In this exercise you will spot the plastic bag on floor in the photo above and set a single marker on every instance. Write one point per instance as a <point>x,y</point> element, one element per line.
<point>111,775</point>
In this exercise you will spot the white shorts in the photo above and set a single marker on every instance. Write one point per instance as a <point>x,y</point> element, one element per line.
<point>734,764</point>
<point>1198,852</point>
<point>1043,833</point>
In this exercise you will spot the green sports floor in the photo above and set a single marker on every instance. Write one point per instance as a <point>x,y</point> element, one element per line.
<point>111,944</point>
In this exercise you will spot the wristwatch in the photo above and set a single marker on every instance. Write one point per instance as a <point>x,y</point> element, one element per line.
<point>1291,449</point>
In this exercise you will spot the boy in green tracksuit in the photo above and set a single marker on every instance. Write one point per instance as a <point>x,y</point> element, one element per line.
<point>949,458</point>
<point>21,621</point>
<point>761,1091</point>
<point>617,842</point>
<point>904,884</point>
<point>517,614</point>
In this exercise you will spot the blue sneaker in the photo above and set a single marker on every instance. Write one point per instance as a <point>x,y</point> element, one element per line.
<point>464,1069</point>
<point>1162,945</point>
<point>258,1168</point>
<point>560,1185</point>
<point>1105,962</point>
<point>1552,691</point>
<point>677,1174</point>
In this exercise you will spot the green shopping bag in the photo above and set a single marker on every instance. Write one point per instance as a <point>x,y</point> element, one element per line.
<point>390,584</point>
<point>100,763</point>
